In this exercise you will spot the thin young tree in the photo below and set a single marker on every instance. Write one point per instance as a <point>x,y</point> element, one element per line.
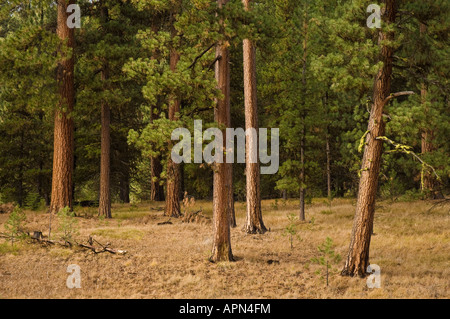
<point>63,144</point>
<point>303,130</point>
<point>104,208</point>
<point>254,221</point>
<point>221,250</point>
<point>429,184</point>
<point>172,208</point>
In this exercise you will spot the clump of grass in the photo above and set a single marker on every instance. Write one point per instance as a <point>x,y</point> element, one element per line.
<point>6,248</point>
<point>326,212</point>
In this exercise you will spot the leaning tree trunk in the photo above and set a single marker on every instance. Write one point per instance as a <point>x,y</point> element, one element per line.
<point>254,222</point>
<point>221,250</point>
<point>104,208</point>
<point>358,254</point>
<point>63,144</point>
<point>172,208</point>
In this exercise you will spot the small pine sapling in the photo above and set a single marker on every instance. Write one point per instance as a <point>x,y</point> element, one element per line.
<point>14,225</point>
<point>291,229</point>
<point>67,227</point>
<point>327,257</point>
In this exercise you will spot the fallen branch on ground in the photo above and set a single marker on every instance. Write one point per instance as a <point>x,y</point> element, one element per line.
<point>37,236</point>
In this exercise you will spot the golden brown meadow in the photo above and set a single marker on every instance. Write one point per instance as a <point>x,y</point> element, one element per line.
<point>411,245</point>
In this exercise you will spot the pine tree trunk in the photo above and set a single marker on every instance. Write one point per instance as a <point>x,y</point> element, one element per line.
<point>302,141</point>
<point>254,221</point>
<point>63,144</point>
<point>429,185</point>
<point>358,254</point>
<point>172,208</point>
<point>328,168</point>
<point>302,177</point>
<point>104,208</point>
<point>124,186</point>
<point>156,189</point>
<point>221,250</point>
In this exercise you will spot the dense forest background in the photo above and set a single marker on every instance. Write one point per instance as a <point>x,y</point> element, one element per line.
<point>315,68</point>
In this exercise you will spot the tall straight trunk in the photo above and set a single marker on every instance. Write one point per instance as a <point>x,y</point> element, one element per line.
<point>172,208</point>
<point>124,186</point>
<point>104,208</point>
<point>254,222</point>
<point>63,144</point>
<point>302,176</point>
<point>221,250</point>
<point>328,167</point>
<point>156,189</point>
<point>302,141</point>
<point>429,184</point>
<point>358,254</point>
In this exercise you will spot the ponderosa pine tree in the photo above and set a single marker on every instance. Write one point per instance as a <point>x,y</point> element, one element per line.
<point>104,208</point>
<point>173,185</point>
<point>254,222</point>
<point>221,250</point>
<point>63,144</point>
<point>358,255</point>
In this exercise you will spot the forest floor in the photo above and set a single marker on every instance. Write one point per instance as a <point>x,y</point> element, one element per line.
<point>411,246</point>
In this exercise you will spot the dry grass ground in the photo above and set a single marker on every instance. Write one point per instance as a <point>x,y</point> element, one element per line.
<point>411,245</point>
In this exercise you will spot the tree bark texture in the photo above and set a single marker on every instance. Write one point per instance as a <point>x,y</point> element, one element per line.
<point>172,208</point>
<point>104,208</point>
<point>221,250</point>
<point>358,253</point>
<point>63,144</point>
<point>254,221</point>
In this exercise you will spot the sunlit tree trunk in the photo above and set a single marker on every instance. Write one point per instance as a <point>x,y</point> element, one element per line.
<point>104,208</point>
<point>221,250</point>
<point>63,144</point>
<point>358,254</point>
<point>254,221</point>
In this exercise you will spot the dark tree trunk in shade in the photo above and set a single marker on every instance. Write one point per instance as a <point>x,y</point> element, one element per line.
<point>172,208</point>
